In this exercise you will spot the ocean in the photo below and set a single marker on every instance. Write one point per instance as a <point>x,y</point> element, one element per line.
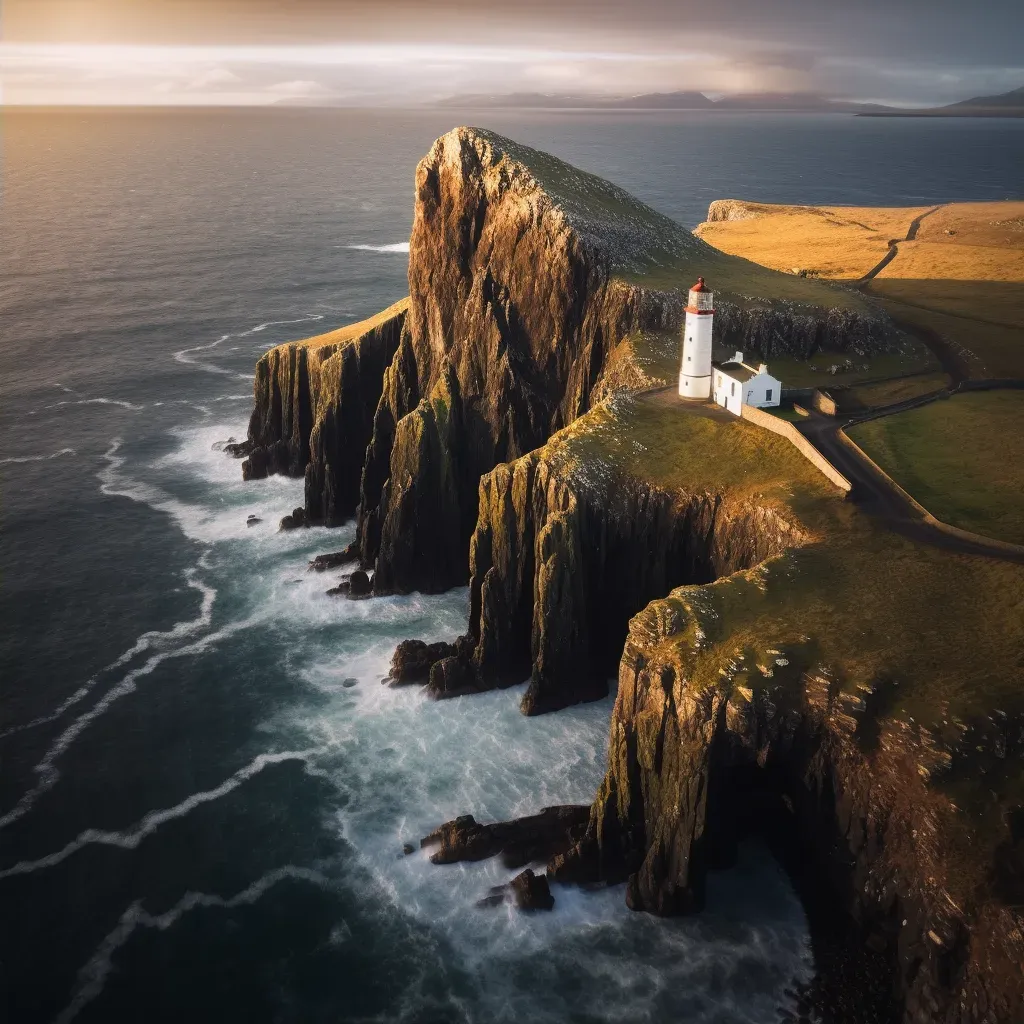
<point>204,789</point>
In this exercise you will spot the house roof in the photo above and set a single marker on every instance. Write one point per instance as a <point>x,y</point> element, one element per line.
<point>737,371</point>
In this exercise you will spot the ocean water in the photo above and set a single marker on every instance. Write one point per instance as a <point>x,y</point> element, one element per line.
<point>204,789</point>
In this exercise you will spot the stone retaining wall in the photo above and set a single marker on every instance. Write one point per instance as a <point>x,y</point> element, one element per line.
<point>802,445</point>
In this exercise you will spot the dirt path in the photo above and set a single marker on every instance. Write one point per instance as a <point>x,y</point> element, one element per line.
<point>894,244</point>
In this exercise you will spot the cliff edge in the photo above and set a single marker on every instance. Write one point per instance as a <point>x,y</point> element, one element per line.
<point>525,277</point>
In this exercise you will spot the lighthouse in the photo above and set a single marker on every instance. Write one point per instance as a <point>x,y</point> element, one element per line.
<point>695,371</point>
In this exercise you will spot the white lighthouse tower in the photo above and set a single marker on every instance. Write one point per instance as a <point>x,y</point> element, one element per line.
<point>695,371</point>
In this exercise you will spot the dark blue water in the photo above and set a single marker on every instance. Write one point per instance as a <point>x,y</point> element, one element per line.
<point>201,814</point>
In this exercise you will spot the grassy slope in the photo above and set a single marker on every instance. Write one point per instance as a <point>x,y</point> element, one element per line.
<point>962,459</point>
<point>937,636</point>
<point>650,249</point>
<point>857,588</point>
<point>889,392</point>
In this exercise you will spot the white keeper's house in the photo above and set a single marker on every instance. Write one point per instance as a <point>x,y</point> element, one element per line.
<point>731,384</point>
<point>737,384</point>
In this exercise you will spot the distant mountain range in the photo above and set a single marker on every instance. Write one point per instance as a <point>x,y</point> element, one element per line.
<point>1006,104</point>
<point>689,100</point>
<point>1010,104</point>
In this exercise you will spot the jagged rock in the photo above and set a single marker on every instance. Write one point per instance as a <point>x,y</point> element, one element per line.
<point>413,659</point>
<point>317,398</point>
<point>451,677</point>
<point>255,466</point>
<point>295,521</point>
<point>333,559</point>
<point>357,587</point>
<point>536,837</point>
<point>531,891</point>
<point>557,569</point>
<point>527,891</point>
<point>236,449</point>
<point>253,521</point>
<point>408,848</point>
<point>359,584</point>
<point>693,768</point>
<point>492,357</point>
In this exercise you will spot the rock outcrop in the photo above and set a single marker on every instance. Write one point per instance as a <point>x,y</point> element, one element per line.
<point>525,274</point>
<point>513,312</point>
<point>314,407</point>
<point>712,740</point>
<point>537,837</point>
<point>558,566</point>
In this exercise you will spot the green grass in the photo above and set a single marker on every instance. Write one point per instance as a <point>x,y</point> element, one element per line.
<point>963,459</point>
<point>938,635</point>
<point>888,392</point>
<point>660,439</point>
<point>813,372</point>
<point>786,412</point>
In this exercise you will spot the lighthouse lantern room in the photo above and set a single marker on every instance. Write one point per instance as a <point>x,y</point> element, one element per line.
<point>695,371</point>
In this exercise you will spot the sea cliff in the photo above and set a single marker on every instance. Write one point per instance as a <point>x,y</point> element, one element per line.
<point>525,276</point>
<point>780,671</point>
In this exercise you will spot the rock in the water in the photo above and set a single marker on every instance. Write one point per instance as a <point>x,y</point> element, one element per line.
<point>451,677</point>
<point>413,660</point>
<point>295,520</point>
<point>253,520</point>
<point>349,683</point>
<point>359,584</point>
<point>528,891</point>
<point>355,588</point>
<point>255,466</point>
<point>333,559</point>
<point>408,848</point>
<point>537,837</point>
<point>236,449</point>
<point>531,891</point>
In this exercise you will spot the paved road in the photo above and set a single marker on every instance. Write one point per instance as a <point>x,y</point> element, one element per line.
<point>876,496</point>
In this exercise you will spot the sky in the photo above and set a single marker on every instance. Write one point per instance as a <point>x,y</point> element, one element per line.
<point>401,52</point>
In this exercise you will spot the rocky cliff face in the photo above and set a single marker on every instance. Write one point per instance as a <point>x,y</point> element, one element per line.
<point>314,406</point>
<point>559,565</point>
<point>513,314</point>
<point>524,276</point>
<point>715,736</point>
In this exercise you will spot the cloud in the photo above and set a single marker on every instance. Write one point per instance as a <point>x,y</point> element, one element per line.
<point>413,73</point>
<point>213,77</point>
<point>297,89</point>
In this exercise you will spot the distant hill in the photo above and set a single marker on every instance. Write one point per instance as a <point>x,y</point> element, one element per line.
<point>649,101</point>
<point>686,100</point>
<point>1006,104</point>
<point>799,102</point>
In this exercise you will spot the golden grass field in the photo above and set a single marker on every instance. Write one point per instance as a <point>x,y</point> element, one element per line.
<point>962,275</point>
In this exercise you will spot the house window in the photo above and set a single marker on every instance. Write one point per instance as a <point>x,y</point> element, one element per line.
<point>768,395</point>
<point>719,380</point>
<point>689,359</point>
<point>732,390</point>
